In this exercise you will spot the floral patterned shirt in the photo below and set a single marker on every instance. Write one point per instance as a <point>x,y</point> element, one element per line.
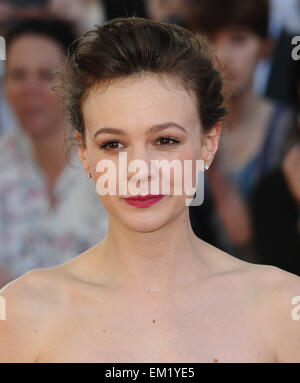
<point>34,234</point>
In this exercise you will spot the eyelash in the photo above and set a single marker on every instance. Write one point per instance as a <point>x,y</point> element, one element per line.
<point>105,144</point>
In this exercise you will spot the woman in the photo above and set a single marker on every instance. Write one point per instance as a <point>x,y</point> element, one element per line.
<point>238,31</point>
<point>43,200</point>
<point>151,291</point>
<point>275,200</point>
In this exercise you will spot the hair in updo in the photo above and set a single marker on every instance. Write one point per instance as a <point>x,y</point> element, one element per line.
<point>132,46</point>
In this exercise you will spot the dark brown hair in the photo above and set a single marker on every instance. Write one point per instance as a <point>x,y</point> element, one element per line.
<point>131,46</point>
<point>211,16</point>
<point>54,28</point>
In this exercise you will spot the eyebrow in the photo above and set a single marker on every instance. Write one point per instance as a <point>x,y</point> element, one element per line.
<point>154,129</point>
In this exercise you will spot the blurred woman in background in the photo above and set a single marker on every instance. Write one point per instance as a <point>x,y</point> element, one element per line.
<point>238,31</point>
<point>48,213</point>
<point>276,201</point>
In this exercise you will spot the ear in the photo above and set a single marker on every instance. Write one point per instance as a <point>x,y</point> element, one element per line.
<point>82,150</point>
<point>210,143</point>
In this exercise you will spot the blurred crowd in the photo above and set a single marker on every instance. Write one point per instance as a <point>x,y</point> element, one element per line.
<point>49,210</point>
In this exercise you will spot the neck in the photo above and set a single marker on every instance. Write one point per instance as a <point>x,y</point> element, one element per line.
<point>241,107</point>
<point>158,261</point>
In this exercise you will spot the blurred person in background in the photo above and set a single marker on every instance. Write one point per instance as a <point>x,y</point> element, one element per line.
<point>48,211</point>
<point>84,14</point>
<point>276,202</point>
<point>285,24</point>
<point>238,31</point>
<point>273,71</point>
<point>10,10</point>
<point>170,11</point>
<point>123,8</point>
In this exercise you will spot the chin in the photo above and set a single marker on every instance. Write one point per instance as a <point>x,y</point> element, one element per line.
<point>143,220</point>
<point>147,220</point>
<point>145,225</point>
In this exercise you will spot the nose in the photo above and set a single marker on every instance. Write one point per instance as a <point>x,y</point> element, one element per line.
<point>31,87</point>
<point>140,171</point>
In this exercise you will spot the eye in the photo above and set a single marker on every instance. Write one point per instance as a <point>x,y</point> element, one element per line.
<point>168,141</point>
<point>239,38</point>
<point>17,75</point>
<point>110,145</point>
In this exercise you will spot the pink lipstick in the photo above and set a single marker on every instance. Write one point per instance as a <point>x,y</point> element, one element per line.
<point>143,201</point>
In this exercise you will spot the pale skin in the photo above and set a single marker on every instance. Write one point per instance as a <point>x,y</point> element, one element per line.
<point>151,291</point>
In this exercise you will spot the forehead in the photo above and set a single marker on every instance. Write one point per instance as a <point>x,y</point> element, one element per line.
<point>145,100</point>
<point>231,30</point>
<point>31,49</point>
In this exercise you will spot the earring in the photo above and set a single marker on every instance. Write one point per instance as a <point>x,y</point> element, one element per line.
<point>206,167</point>
<point>89,175</point>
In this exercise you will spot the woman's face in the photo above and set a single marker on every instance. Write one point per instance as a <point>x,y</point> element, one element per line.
<point>29,82</point>
<point>239,51</point>
<point>138,108</point>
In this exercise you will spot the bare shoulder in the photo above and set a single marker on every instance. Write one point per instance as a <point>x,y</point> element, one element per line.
<point>276,297</point>
<point>267,280</point>
<point>273,298</point>
<point>29,304</point>
<point>272,282</point>
<point>264,281</point>
<point>284,309</point>
<point>223,263</point>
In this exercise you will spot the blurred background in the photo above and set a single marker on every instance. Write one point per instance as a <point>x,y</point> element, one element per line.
<point>49,210</point>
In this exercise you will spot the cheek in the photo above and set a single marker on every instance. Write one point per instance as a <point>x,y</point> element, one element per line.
<point>50,98</point>
<point>13,93</point>
<point>186,178</point>
<point>247,60</point>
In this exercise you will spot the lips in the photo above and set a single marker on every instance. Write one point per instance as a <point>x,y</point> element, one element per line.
<point>143,201</point>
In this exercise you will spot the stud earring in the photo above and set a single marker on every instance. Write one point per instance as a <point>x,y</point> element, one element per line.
<point>206,167</point>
